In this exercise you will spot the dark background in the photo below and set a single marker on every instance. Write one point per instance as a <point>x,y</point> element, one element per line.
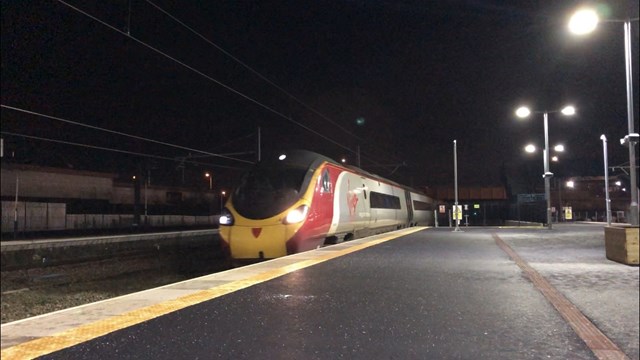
<point>419,73</point>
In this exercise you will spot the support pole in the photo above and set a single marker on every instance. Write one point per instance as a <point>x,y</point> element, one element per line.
<point>606,178</point>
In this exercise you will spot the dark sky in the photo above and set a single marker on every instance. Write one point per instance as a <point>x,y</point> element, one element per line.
<point>420,73</point>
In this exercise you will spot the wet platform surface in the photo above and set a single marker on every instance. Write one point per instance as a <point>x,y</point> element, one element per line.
<point>420,294</point>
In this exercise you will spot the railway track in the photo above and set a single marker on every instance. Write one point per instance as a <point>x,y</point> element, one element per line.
<point>42,284</point>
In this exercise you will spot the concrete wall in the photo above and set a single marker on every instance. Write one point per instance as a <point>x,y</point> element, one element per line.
<point>33,216</point>
<point>55,183</point>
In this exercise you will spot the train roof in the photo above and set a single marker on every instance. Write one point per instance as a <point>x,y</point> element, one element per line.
<point>313,160</point>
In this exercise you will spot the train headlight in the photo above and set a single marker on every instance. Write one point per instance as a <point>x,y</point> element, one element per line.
<point>226,218</point>
<point>297,215</point>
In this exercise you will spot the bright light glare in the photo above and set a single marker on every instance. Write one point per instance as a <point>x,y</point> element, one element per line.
<point>530,148</point>
<point>554,158</point>
<point>282,157</point>
<point>523,112</point>
<point>570,184</point>
<point>583,21</point>
<point>618,183</point>
<point>297,215</point>
<point>343,160</point>
<point>559,148</point>
<point>569,110</point>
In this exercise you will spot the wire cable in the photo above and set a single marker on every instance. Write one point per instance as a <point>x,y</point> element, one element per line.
<point>122,134</point>
<point>227,87</point>
<point>115,150</point>
<point>252,70</point>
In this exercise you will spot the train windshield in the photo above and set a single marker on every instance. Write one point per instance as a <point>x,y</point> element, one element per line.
<point>268,190</point>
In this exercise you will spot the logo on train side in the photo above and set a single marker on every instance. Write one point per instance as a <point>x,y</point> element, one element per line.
<point>352,199</point>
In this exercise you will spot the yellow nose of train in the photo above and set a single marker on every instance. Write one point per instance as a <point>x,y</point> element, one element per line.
<point>257,241</point>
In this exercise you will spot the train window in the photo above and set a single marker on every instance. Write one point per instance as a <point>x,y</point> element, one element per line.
<point>268,190</point>
<point>384,201</point>
<point>421,205</point>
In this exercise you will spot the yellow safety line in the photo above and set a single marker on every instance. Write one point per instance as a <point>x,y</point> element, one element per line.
<point>71,337</point>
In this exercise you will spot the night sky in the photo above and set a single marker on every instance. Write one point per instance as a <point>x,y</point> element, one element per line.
<point>419,73</point>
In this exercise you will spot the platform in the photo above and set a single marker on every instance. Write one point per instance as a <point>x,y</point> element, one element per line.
<point>412,294</point>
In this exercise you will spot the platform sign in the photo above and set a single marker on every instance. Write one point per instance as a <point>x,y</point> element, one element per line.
<point>568,213</point>
<point>457,212</point>
<point>442,209</point>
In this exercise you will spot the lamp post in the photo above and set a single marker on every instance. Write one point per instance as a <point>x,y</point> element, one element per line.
<point>530,148</point>
<point>606,178</point>
<point>208,175</point>
<point>524,112</point>
<point>457,213</point>
<point>222,194</point>
<point>583,22</point>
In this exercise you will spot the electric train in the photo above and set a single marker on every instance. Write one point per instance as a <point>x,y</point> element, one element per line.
<point>299,200</point>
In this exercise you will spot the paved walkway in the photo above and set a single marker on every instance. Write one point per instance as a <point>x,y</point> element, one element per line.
<point>483,293</point>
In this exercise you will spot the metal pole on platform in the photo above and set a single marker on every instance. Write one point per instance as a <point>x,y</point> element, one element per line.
<point>606,178</point>
<point>547,174</point>
<point>455,175</point>
<point>633,207</point>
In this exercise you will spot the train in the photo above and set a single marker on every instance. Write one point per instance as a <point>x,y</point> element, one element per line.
<point>298,200</point>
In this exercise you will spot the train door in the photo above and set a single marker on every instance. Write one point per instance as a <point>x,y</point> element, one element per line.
<point>365,217</point>
<point>407,196</point>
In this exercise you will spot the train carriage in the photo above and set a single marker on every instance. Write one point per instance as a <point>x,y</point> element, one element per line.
<point>301,200</point>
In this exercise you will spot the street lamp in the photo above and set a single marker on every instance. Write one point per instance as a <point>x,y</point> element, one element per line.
<point>222,194</point>
<point>210,177</point>
<point>523,112</point>
<point>583,22</point>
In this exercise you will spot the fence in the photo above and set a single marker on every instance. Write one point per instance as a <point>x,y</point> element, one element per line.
<point>33,216</point>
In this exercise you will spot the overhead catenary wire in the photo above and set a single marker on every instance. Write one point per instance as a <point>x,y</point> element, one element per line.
<point>122,134</point>
<point>114,150</point>
<point>258,74</point>
<point>255,72</point>
<point>227,87</point>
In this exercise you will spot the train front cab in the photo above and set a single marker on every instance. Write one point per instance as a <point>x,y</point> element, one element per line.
<point>269,208</point>
<point>250,240</point>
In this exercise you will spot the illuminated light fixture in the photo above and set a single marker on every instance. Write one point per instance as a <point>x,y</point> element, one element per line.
<point>618,183</point>
<point>523,112</point>
<point>343,160</point>
<point>570,184</point>
<point>568,110</point>
<point>559,148</point>
<point>282,157</point>
<point>297,215</point>
<point>554,158</point>
<point>583,21</point>
<point>530,148</point>
<point>226,218</point>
